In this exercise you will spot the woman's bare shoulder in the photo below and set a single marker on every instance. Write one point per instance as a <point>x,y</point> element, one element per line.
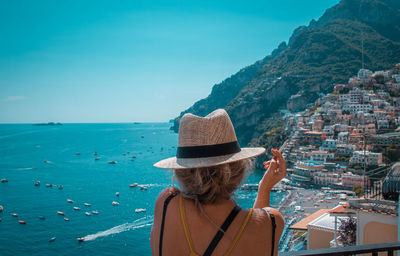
<point>165,193</point>
<point>262,216</point>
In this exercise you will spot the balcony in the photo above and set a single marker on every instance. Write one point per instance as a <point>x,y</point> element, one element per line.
<point>372,249</point>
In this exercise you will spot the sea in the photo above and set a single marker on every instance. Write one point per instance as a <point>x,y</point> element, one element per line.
<point>64,155</point>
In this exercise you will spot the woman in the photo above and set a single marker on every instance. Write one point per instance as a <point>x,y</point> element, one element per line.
<point>201,218</point>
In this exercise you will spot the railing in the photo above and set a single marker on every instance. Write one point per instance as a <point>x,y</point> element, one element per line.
<point>374,249</point>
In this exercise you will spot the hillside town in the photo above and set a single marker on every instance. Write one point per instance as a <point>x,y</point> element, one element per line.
<point>347,146</point>
<point>347,134</point>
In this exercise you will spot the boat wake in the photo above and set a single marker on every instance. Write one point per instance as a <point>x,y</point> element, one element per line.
<point>139,223</point>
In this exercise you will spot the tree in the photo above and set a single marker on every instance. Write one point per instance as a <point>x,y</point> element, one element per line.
<point>358,189</point>
<point>347,231</point>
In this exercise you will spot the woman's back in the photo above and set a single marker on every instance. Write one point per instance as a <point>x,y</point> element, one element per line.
<point>255,239</point>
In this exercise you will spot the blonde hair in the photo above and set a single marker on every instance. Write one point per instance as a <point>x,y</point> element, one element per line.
<point>209,185</point>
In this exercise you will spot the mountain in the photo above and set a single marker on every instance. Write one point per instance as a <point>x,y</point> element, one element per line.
<point>318,56</point>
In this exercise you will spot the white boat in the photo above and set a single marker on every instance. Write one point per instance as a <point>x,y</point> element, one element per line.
<point>22,222</point>
<point>60,213</point>
<point>115,203</point>
<point>133,185</point>
<point>14,215</point>
<point>1,208</point>
<point>66,219</point>
<point>80,239</point>
<point>52,239</point>
<point>88,213</point>
<point>143,187</point>
<point>140,210</point>
<point>86,204</point>
<point>112,162</point>
<point>37,183</point>
<point>95,212</point>
<point>77,208</point>
<point>70,201</point>
<point>4,180</point>
<point>60,187</point>
<point>97,158</point>
<point>117,193</point>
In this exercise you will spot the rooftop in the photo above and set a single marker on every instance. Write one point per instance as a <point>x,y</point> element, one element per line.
<point>302,224</point>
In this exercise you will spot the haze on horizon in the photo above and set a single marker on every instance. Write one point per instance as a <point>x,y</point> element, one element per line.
<point>145,61</point>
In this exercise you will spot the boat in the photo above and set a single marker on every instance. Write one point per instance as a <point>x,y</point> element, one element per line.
<point>97,158</point>
<point>133,156</point>
<point>66,219</point>
<point>117,193</point>
<point>70,201</point>
<point>0,219</point>
<point>133,185</point>
<point>60,187</point>
<point>124,154</point>
<point>88,213</point>
<point>95,153</point>
<point>77,153</point>
<point>77,208</point>
<point>60,213</point>
<point>1,208</point>
<point>80,239</point>
<point>52,239</point>
<point>22,222</point>
<point>14,215</point>
<point>37,183</point>
<point>142,136</point>
<point>46,161</point>
<point>95,212</point>
<point>115,203</point>
<point>132,159</point>
<point>140,210</point>
<point>143,187</point>
<point>86,204</point>
<point>42,218</point>
<point>49,185</point>
<point>4,180</point>
<point>112,162</point>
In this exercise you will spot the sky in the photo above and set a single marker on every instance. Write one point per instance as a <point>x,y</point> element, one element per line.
<point>131,61</point>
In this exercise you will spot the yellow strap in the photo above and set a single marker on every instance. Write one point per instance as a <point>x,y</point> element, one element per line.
<point>185,227</point>
<point>239,233</point>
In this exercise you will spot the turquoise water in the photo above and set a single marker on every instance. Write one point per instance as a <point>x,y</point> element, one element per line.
<point>116,229</point>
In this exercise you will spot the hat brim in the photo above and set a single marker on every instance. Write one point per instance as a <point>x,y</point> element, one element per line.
<point>186,163</point>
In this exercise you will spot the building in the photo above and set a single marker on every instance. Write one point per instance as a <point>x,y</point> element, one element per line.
<point>362,157</point>
<point>326,178</point>
<point>314,138</point>
<point>386,139</point>
<point>363,74</point>
<point>343,137</point>
<point>319,156</point>
<point>345,150</point>
<point>349,180</point>
<point>377,220</point>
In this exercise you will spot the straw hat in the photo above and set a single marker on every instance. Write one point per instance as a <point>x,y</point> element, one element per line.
<point>207,141</point>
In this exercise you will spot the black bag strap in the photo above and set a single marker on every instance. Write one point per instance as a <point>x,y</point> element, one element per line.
<point>273,229</point>
<point>218,236</point>
<point>166,202</point>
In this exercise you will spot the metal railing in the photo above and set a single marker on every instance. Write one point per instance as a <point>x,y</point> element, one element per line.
<point>373,249</point>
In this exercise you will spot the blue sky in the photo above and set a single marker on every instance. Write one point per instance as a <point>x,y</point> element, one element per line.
<point>125,61</point>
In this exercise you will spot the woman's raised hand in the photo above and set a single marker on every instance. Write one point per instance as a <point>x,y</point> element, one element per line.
<point>276,170</point>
